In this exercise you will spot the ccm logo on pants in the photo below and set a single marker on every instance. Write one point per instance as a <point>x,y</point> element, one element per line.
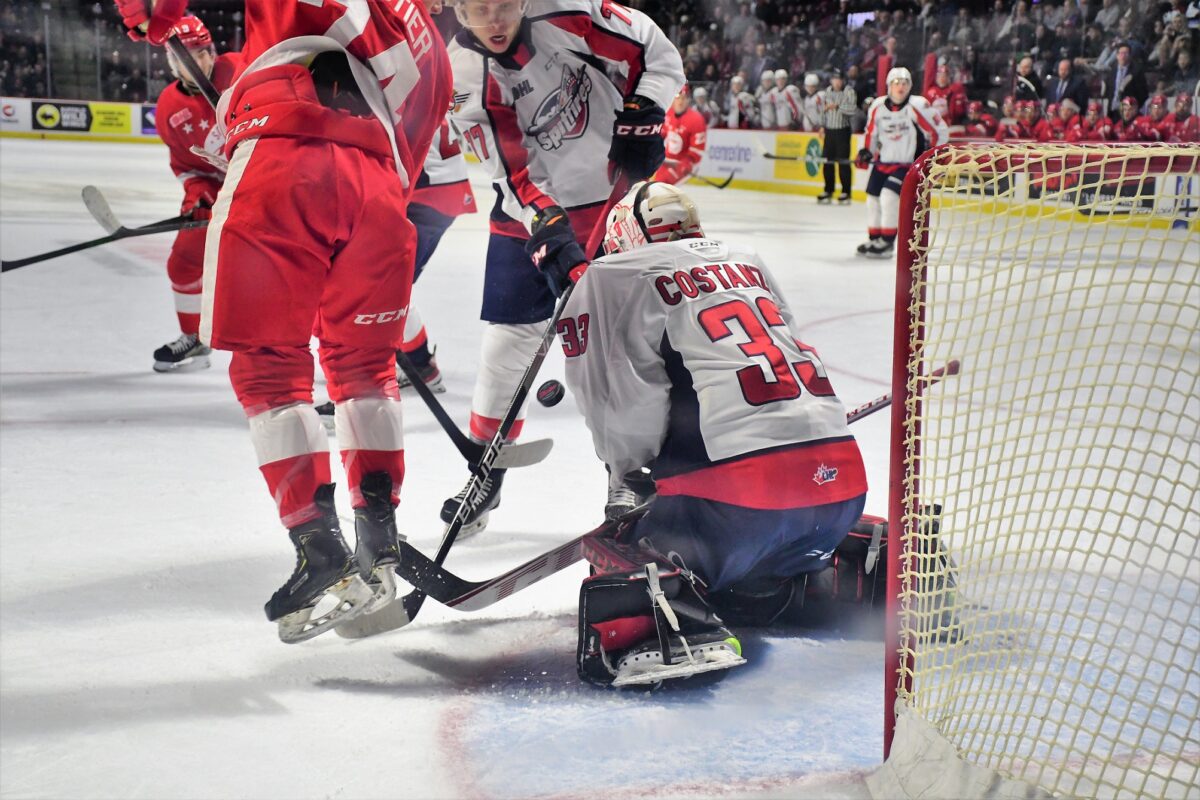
<point>380,318</point>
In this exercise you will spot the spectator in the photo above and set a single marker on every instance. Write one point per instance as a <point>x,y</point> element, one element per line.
<point>1108,16</point>
<point>1091,47</point>
<point>1125,80</point>
<point>1018,29</point>
<point>1067,85</point>
<point>1026,84</point>
<point>1184,76</point>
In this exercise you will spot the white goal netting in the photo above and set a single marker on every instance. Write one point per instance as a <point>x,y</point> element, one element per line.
<point>1048,595</point>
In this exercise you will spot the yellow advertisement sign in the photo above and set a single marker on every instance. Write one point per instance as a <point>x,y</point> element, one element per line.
<point>111,118</point>
<point>798,157</point>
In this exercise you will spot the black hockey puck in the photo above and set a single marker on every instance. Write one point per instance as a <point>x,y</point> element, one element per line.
<point>550,393</point>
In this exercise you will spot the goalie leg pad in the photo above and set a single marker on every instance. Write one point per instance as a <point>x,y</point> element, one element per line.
<point>646,626</point>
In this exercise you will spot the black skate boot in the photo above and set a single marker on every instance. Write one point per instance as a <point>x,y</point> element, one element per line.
<point>487,498</point>
<point>844,199</point>
<point>824,198</point>
<point>377,547</point>
<point>185,354</point>
<point>881,248</point>
<point>323,567</point>
<point>431,376</point>
<point>868,245</point>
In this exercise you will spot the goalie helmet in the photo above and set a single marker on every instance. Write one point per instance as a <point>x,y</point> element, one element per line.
<point>651,212</point>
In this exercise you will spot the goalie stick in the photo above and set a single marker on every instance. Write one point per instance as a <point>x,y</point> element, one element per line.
<point>455,592</point>
<point>512,454</point>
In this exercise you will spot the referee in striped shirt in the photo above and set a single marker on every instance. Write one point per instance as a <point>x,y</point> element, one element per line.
<point>838,104</point>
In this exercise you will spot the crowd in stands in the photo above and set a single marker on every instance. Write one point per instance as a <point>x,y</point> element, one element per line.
<point>22,51</point>
<point>976,60</point>
<point>1004,61</point>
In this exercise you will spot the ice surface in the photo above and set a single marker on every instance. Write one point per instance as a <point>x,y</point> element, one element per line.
<point>139,543</point>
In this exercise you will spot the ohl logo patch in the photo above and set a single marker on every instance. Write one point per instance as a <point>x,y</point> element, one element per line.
<point>825,475</point>
<point>564,114</point>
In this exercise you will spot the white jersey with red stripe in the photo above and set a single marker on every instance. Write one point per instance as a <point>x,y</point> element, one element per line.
<point>789,106</point>
<point>898,134</point>
<point>444,184</point>
<point>540,116</point>
<point>685,354</point>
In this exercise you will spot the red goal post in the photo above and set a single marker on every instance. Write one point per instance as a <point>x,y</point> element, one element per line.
<point>1044,507</point>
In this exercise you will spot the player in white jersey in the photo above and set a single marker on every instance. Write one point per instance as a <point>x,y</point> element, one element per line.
<point>789,103</point>
<point>765,95</point>
<point>554,97</point>
<point>685,358</point>
<point>741,109</point>
<point>900,127</point>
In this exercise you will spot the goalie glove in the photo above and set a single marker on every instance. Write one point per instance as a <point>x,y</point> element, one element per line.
<point>154,25</point>
<point>637,147</point>
<point>864,158</point>
<point>553,249</point>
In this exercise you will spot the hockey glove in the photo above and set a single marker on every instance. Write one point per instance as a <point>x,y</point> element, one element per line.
<point>553,249</point>
<point>864,159</point>
<point>144,24</point>
<point>637,145</point>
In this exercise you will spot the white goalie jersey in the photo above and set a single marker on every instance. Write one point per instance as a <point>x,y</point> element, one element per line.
<point>540,117</point>
<point>682,354</point>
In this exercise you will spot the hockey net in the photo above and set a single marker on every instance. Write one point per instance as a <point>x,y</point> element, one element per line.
<point>1044,634</point>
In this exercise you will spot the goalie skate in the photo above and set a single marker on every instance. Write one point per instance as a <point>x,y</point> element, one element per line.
<point>689,656</point>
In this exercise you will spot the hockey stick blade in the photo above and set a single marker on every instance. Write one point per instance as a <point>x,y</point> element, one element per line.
<point>100,210</point>
<point>710,182</point>
<point>512,455</point>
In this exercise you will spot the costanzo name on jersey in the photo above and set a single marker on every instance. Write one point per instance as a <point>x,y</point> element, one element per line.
<point>707,279</point>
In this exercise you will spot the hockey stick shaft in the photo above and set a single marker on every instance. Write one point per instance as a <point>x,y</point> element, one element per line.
<point>883,401</point>
<point>777,157</point>
<point>715,184</point>
<point>165,226</point>
<point>180,51</point>
<point>514,454</point>
<point>451,590</point>
<point>97,205</point>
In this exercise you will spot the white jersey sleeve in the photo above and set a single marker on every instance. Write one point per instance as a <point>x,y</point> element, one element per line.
<point>654,339</point>
<point>898,135</point>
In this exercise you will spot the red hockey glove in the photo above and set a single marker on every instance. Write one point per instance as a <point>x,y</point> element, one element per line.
<point>553,249</point>
<point>198,198</point>
<point>152,25</point>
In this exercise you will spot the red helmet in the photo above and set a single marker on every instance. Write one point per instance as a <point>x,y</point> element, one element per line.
<point>1183,100</point>
<point>1129,100</point>
<point>1159,100</point>
<point>192,32</point>
<point>975,107</point>
<point>1052,110</point>
<point>1095,107</point>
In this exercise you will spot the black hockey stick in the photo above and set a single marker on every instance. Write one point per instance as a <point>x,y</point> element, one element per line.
<point>807,159</point>
<point>399,613</point>
<point>512,454</point>
<point>713,183</point>
<point>100,210</point>
<point>164,226</point>
<point>453,591</point>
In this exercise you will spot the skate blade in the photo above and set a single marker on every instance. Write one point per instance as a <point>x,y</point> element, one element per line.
<point>192,364</point>
<point>647,667</point>
<point>350,598</point>
<point>383,586</point>
<point>470,529</point>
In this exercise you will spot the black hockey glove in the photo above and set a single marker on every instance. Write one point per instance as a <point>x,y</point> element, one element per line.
<point>637,144</point>
<point>553,249</point>
<point>864,159</point>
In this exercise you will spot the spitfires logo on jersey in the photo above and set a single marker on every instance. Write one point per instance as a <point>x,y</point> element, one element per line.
<point>564,114</point>
<point>825,475</point>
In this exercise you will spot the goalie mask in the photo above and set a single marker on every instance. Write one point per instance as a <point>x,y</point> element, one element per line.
<point>651,212</point>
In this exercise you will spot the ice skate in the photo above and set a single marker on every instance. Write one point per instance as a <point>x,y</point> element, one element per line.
<point>324,569</point>
<point>477,518</point>
<point>376,549</point>
<point>867,245</point>
<point>621,500</point>
<point>844,199</point>
<point>824,198</point>
<point>429,373</point>
<point>185,354</point>
<point>881,248</point>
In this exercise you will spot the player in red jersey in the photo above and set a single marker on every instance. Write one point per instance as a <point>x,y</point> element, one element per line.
<point>685,135</point>
<point>335,101</point>
<point>979,123</point>
<point>1157,118</point>
<point>1030,124</point>
<point>186,120</point>
<point>1185,126</point>
<point>1062,117</point>
<point>1131,127</point>
<point>1094,126</point>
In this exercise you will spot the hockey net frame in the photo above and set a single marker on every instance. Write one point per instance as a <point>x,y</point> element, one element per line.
<point>1042,628</point>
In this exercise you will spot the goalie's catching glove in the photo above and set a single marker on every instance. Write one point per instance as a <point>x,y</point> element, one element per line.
<point>637,145</point>
<point>554,251</point>
<point>158,23</point>
<point>864,159</point>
